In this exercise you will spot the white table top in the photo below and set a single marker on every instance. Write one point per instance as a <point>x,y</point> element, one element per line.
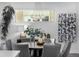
<point>32,45</point>
<point>9,53</point>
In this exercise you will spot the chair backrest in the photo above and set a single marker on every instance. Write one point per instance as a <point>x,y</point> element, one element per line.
<point>18,40</point>
<point>48,40</point>
<point>9,45</point>
<point>66,50</point>
<point>25,40</point>
<point>24,50</point>
<point>51,50</point>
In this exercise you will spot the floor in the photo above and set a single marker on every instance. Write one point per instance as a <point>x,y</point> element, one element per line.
<point>73,55</point>
<point>74,51</point>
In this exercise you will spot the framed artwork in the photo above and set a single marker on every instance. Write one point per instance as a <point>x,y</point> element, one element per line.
<point>34,15</point>
<point>67,27</point>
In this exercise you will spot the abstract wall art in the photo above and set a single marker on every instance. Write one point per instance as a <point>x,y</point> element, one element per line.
<point>34,15</point>
<point>67,27</point>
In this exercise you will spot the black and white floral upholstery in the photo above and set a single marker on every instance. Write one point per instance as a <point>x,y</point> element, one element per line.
<point>66,27</point>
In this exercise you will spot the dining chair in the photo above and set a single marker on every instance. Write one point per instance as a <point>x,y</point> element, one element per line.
<point>51,50</point>
<point>48,39</point>
<point>8,44</point>
<point>18,40</point>
<point>25,40</point>
<point>66,50</point>
<point>24,50</point>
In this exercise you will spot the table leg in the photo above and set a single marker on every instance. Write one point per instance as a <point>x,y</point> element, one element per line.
<point>37,52</point>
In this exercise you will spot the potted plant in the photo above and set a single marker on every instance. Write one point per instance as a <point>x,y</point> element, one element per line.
<point>7,15</point>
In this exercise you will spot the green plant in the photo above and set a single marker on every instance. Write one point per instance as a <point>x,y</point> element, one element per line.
<point>7,14</point>
<point>33,32</point>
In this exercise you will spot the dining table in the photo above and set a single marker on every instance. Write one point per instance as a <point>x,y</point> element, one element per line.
<point>33,46</point>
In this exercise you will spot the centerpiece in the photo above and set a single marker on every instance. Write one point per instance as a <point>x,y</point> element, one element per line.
<point>35,34</point>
